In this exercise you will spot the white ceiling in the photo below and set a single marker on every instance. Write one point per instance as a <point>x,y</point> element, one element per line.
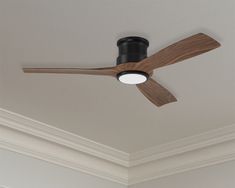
<point>69,33</point>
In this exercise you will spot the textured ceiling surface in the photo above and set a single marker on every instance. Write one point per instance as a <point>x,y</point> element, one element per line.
<point>69,33</point>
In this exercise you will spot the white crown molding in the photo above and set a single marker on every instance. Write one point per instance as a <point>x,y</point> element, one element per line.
<point>209,148</point>
<point>30,145</point>
<point>50,133</point>
<point>183,145</point>
<point>39,140</point>
<point>181,162</point>
<point>32,138</point>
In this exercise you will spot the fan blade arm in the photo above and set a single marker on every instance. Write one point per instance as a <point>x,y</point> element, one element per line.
<point>156,93</point>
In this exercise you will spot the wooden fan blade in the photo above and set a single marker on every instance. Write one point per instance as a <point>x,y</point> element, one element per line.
<point>109,71</point>
<point>179,51</point>
<point>156,93</point>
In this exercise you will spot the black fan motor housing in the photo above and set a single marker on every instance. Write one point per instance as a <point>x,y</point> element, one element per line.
<point>132,49</point>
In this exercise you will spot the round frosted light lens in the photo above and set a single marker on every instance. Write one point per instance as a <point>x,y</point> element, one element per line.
<point>132,78</point>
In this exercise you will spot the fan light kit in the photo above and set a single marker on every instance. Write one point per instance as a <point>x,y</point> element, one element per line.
<point>132,77</point>
<point>134,67</point>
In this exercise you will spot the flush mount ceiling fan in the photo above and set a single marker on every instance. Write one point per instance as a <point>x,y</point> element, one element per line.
<point>134,67</point>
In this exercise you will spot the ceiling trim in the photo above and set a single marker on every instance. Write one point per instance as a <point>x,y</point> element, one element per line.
<point>183,145</point>
<point>32,138</point>
<point>39,140</point>
<point>182,162</point>
<point>52,152</point>
<point>59,136</point>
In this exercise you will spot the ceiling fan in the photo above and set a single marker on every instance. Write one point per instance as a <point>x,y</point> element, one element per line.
<point>134,67</point>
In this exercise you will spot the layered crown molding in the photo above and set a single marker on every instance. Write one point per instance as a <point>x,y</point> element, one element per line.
<point>39,140</point>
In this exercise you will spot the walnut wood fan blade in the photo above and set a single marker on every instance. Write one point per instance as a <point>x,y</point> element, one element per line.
<point>156,93</point>
<point>179,51</point>
<point>109,71</point>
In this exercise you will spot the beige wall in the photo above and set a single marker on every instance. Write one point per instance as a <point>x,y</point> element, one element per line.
<point>218,176</point>
<point>19,171</point>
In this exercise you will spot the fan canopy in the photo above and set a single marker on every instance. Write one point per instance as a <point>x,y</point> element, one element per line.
<point>132,49</point>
